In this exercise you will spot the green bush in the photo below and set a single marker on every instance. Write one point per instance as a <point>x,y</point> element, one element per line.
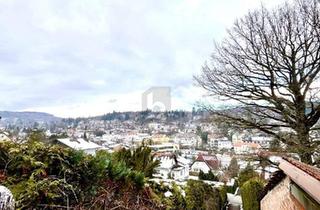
<point>42,175</point>
<point>200,195</point>
<point>139,159</point>
<point>207,176</point>
<point>175,202</point>
<point>233,168</point>
<point>223,196</point>
<point>246,174</point>
<point>232,189</point>
<point>250,193</point>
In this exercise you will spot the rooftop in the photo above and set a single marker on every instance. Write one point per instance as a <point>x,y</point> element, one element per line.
<point>311,170</point>
<point>210,160</point>
<point>79,144</point>
<point>304,175</point>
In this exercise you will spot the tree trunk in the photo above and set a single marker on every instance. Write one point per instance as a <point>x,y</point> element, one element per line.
<point>304,150</point>
<point>302,129</point>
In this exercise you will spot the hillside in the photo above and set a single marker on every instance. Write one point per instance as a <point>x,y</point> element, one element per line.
<point>27,117</point>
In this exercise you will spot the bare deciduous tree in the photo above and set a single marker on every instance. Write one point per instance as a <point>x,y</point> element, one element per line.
<point>269,64</point>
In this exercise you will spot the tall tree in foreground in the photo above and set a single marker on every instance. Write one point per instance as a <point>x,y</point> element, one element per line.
<point>250,192</point>
<point>233,168</point>
<point>269,65</point>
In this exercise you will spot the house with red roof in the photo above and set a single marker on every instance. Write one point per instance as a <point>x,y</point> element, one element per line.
<point>205,163</point>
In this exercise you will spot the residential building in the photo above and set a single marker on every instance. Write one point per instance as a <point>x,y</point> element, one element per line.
<point>241,147</point>
<point>263,140</point>
<point>223,143</point>
<point>172,166</point>
<point>80,144</point>
<point>205,163</point>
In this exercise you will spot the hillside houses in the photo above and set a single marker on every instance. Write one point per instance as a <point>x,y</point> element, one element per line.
<point>241,147</point>
<point>223,144</point>
<point>263,140</point>
<point>186,140</point>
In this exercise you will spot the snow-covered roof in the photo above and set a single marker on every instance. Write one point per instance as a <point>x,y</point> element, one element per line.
<point>79,144</point>
<point>170,161</point>
<point>183,160</point>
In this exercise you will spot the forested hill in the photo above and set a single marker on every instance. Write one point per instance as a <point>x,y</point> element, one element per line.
<point>27,117</point>
<point>146,116</point>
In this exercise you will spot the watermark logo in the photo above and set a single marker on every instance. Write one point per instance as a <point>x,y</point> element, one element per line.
<point>157,99</point>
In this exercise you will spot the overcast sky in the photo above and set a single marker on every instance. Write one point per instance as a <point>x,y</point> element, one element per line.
<point>88,57</point>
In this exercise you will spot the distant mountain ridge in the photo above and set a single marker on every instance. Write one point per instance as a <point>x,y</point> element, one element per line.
<point>10,116</point>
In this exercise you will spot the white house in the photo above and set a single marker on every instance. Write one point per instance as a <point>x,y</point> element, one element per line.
<point>205,163</point>
<point>172,166</point>
<point>80,144</point>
